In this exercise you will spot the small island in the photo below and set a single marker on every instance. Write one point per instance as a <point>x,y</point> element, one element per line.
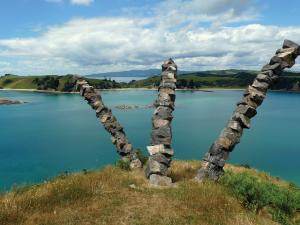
<point>128,107</point>
<point>9,102</point>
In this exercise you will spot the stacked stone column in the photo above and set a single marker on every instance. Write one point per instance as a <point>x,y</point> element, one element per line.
<point>254,95</point>
<point>160,149</point>
<point>110,123</point>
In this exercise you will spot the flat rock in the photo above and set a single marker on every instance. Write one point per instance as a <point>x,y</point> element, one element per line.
<point>158,180</point>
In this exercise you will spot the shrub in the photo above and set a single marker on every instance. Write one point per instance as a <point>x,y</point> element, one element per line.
<point>7,81</point>
<point>253,194</point>
<point>123,164</point>
<point>283,202</point>
<point>141,156</point>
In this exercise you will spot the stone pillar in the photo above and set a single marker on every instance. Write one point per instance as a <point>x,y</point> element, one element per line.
<point>160,149</point>
<point>110,123</point>
<point>254,95</point>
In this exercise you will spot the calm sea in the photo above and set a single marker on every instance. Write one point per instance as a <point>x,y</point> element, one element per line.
<point>53,133</point>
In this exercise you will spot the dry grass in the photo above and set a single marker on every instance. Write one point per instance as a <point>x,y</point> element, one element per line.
<point>104,197</point>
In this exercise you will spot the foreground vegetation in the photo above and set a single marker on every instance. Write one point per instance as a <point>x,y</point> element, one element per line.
<point>116,196</point>
<point>197,80</point>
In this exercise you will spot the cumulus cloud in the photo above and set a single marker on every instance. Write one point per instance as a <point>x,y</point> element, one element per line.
<point>123,43</point>
<point>218,12</point>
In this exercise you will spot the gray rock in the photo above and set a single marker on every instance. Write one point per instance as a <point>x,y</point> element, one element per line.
<point>154,167</point>
<point>167,84</point>
<point>160,140</point>
<point>255,95</point>
<point>161,159</point>
<point>246,110</point>
<point>276,68</point>
<point>234,125</point>
<point>136,163</point>
<point>160,148</point>
<point>162,132</point>
<point>262,86</point>
<point>157,122</point>
<point>210,171</point>
<point>248,101</point>
<point>164,113</point>
<point>169,65</point>
<point>242,119</point>
<point>291,44</point>
<point>264,78</point>
<point>158,180</point>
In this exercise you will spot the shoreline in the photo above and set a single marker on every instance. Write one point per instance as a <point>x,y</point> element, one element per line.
<point>139,89</point>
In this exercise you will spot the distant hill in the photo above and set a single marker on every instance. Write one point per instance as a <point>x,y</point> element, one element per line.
<point>50,83</point>
<point>131,73</point>
<point>289,81</point>
<point>222,79</point>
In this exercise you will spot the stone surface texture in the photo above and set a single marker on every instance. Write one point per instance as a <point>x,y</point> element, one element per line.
<point>110,123</point>
<point>254,95</point>
<point>160,149</point>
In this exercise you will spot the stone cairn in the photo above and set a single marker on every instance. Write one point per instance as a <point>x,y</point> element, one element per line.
<point>160,149</point>
<point>110,123</point>
<point>254,95</point>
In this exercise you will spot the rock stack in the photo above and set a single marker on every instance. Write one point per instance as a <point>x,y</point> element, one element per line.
<point>109,122</point>
<point>218,153</point>
<point>160,150</point>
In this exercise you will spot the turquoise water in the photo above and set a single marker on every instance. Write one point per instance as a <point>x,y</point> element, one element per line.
<point>56,133</point>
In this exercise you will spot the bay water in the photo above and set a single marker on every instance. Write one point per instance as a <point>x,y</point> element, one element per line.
<point>55,133</point>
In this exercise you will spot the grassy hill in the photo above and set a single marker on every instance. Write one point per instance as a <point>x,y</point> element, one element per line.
<point>114,196</point>
<point>220,79</point>
<point>50,82</point>
<point>195,80</point>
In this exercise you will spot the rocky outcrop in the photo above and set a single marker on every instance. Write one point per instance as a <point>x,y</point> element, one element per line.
<point>129,107</point>
<point>9,102</point>
<point>254,96</point>
<point>110,123</point>
<point>160,149</point>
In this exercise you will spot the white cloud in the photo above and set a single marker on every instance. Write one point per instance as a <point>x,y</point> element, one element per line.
<point>82,2</point>
<point>218,12</point>
<point>122,43</point>
<point>55,1</point>
<point>73,2</point>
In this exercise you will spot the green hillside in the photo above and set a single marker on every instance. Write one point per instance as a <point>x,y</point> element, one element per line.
<point>220,79</point>
<point>195,80</point>
<point>50,82</point>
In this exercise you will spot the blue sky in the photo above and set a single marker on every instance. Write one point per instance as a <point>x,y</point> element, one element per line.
<point>88,36</point>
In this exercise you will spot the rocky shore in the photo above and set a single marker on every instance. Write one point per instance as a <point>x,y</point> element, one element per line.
<point>9,102</point>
